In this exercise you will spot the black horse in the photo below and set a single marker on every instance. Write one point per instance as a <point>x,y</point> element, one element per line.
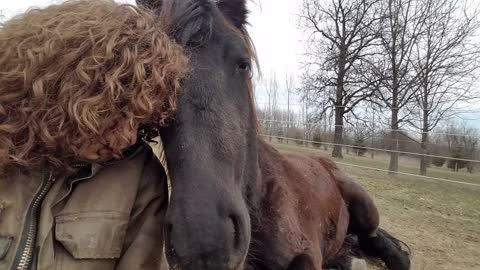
<point>236,202</point>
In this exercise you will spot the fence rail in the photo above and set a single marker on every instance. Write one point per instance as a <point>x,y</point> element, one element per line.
<point>383,129</point>
<point>426,178</point>
<point>373,149</point>
<point>423,177</point>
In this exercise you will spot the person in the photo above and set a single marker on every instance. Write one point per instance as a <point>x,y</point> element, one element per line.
<point>84,85</point>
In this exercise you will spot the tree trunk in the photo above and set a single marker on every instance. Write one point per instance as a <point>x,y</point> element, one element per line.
<point>307,120</point>
<point>269,119</point>
<point>325,134</point>
<point>424,160</point>
<point>425,112</point>
<point>372,144</point>
<point>338,137</point>
<point>339,107</point>
<point>393,167</point>
<point>346,140</point>
<point>288,113</point>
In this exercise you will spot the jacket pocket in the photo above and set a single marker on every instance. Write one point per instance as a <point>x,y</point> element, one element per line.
<point>92,235</point>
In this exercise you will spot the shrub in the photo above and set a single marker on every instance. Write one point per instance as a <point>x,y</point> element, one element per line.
<point>455,164</point>
<point>438,161</point>
<point>359,146</point>
<point>317,138</point>
<point>296,133</point>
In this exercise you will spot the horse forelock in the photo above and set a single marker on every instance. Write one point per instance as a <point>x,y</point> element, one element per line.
<point>188,19</point>
<point>200,15</point>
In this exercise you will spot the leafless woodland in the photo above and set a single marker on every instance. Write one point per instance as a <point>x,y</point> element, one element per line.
<point>394,75</point>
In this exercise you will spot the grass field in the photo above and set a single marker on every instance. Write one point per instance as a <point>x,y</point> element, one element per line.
<point>440,221</point>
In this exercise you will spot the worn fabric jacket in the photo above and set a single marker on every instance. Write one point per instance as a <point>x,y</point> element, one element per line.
<point>101,217</point>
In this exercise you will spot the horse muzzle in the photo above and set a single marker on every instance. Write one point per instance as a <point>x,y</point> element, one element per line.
<point>206,236</point>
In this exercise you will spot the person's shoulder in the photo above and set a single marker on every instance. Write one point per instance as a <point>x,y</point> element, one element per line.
<point>138,163</point>
<point>140,150</point>
<point>142,153</point>
<point>153,171</point>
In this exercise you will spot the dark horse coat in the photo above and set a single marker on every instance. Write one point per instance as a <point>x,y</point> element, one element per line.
<point>236,203</point>
<point>307,207</point>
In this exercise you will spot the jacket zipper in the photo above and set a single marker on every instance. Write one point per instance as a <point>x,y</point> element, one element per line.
<point>74,180</point>
<point>23,258</point>
<point>80,165</point>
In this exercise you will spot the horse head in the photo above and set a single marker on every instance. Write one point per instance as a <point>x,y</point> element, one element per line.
<point>210,146</point>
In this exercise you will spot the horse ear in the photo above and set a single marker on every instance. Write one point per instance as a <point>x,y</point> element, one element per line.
<point>190,23</point>
<point>234,10</point>
<point>155,5</point>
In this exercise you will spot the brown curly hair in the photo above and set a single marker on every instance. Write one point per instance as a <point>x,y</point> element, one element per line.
<point>70,71</point>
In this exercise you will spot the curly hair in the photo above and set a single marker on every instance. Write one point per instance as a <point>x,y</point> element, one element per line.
<point>69,72</point>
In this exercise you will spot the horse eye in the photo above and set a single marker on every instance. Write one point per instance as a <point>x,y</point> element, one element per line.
<point>245,67</point>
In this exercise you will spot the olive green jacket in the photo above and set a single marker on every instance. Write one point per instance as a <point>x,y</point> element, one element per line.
<point>101,217</point>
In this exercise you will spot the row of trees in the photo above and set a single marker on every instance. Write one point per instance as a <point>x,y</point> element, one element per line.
<point>415,59</point>
<point>451,145</point>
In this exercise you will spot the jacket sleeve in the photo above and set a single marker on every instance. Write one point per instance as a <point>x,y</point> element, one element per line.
<point>143,246</point>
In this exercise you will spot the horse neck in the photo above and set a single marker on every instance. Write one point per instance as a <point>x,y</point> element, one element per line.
<point>269,168</point>
<point>268,162</point>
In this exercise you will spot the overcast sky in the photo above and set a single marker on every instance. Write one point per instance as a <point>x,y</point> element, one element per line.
<point>273,29</point>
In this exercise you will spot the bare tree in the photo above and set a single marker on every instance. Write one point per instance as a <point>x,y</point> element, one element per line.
<point>445,61</point>
<point>306,114</point>
<point>289,87</point>
<point>342,34</point>
<point>256,86</point>
<point>272,94</point>
<point>402,26</point>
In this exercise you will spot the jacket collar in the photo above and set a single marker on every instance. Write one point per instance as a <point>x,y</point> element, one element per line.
<point>90,169</point>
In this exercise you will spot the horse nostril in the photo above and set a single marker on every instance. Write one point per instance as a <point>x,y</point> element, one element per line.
<point>237,234</point>
<point>168,233</point>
